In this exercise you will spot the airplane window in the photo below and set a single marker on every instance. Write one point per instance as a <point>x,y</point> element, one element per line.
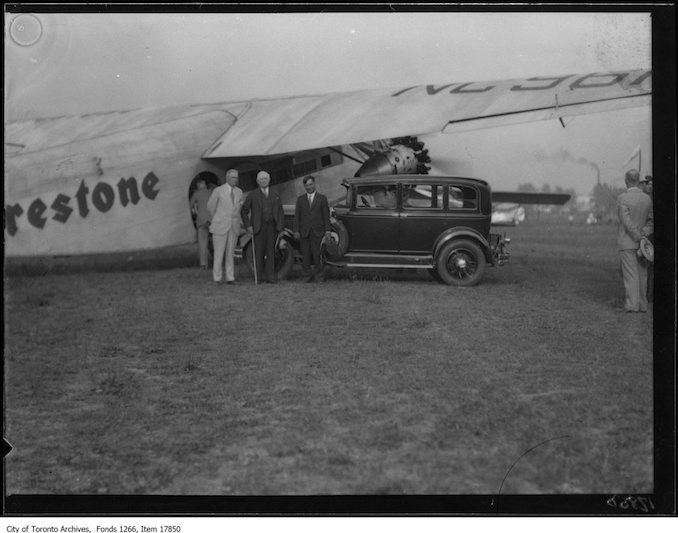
<point>301,169</point>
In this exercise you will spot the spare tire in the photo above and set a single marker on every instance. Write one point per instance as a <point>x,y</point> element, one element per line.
<point>335,249</point>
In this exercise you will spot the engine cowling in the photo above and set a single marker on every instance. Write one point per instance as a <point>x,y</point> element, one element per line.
<point>404,156</point>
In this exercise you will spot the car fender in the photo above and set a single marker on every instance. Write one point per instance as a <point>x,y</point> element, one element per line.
<point>459,232</point>
<point>287,238</point>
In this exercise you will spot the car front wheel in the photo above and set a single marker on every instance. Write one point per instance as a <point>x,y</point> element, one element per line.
<point>284,260</point>
<point>461,263</point>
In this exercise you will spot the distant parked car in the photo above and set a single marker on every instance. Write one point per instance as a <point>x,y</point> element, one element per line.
<point>507,214</point>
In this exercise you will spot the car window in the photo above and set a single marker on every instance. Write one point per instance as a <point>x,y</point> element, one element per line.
<point>422,196</point>
<point>376,196</point>
<point>462,197</point>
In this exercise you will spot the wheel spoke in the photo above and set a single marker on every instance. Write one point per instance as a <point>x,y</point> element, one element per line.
<point>461,264</point>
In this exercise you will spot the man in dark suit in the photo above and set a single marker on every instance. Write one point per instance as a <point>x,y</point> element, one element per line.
<point>634,209</point>
<point>262,214</point>
<point>311,223</point>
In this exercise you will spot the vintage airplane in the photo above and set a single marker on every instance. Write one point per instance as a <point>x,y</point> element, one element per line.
<point>120,181</point>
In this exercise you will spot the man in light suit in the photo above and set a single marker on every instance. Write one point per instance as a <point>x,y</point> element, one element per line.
<point>224,206</point>
<point>263,216</point>
<point>311,223</point>
<point>634,209</point>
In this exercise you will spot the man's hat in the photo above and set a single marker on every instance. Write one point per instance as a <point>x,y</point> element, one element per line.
<point>647,249</point>
<point>646,179</point>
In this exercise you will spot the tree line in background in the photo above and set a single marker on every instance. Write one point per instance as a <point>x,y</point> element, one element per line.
<point>603,205</point>
<point>604,200</point>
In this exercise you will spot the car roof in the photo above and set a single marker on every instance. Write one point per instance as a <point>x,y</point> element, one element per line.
<point>414,178</point>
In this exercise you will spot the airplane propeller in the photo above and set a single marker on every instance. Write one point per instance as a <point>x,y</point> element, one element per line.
<point>405,155</point>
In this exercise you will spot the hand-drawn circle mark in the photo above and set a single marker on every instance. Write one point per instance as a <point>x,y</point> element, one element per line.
<point>25,30</point>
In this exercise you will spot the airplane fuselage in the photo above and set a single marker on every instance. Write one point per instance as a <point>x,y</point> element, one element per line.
<point>129,189</point>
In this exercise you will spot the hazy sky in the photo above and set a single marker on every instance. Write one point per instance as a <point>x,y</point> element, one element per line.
<point>98,62</point>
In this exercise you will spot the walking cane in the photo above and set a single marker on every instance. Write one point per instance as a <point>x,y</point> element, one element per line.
<point>254,261</point>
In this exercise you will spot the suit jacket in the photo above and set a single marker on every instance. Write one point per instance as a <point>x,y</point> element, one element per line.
<point>312,218</point>
<point>634,209</point>
<point>253,207</point>
<point>225,213</point>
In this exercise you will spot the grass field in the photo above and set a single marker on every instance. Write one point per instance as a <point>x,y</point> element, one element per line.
<point>157,382</point>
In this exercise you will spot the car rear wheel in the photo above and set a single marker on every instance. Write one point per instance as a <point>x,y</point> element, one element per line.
<point>461,263</point>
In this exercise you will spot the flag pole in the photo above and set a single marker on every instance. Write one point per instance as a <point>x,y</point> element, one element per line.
<point>640,154</point>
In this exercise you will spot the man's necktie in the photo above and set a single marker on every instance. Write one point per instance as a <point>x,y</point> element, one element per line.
<point>232,196</point>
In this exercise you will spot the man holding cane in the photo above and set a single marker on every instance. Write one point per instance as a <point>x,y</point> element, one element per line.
<point>262,214</point>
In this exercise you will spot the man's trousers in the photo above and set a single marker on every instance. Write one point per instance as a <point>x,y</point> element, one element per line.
<point>203,244</point>
<point>224,245</point>
<point>634,273</point>
<point>264,247</point>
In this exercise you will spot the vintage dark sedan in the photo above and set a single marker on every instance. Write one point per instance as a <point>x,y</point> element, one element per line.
<point>437,223</point>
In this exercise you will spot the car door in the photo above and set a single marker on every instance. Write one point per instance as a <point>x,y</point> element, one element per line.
<point>422,218</point>
<point>372,223</point>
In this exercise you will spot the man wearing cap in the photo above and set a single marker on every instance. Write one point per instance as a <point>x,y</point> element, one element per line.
<point>263,216</point>
<point>311,224</point>
<point>224,206</point>
<point>634,209</point>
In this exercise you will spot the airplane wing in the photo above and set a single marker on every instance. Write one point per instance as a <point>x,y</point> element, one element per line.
<point>530,198</point>
<point>266,127</point>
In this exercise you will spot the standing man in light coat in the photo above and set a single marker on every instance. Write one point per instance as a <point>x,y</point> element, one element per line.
<point>224,206</point>
<point>634,209</point>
